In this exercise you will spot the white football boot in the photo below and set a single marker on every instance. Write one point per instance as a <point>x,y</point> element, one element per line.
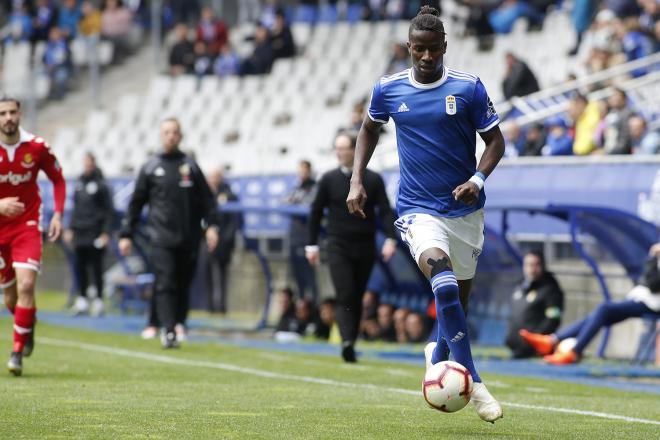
<point>487,407</point>
<point>97,309</point>
<point>80,307</point>
<point>428,354</point>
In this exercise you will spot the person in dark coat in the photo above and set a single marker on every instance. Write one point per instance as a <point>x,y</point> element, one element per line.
<point>89,233</point>
<point>536,306</point>
<point>519,79</point>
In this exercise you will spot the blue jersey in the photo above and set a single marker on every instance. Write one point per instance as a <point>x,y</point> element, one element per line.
<point>436,139</point>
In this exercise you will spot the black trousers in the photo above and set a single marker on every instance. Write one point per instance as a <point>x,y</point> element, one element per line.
<point>89,257</point>
<point>174,269</point>
<point>350,264</point>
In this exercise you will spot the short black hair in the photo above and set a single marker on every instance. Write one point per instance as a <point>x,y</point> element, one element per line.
<point>306,163</point>
<point>538,254</point>
<point>7,98</point>
<point>427,19</point>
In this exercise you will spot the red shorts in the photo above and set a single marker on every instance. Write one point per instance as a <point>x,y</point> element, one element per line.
<point>20,246</point>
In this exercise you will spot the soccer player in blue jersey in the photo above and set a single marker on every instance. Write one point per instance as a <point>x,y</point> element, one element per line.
<point>437,111</point>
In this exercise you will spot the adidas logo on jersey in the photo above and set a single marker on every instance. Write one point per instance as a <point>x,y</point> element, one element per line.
<point>403,108</point>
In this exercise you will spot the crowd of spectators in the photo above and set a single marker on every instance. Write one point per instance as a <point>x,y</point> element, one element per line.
<point>302,317</point>
<point>56,23</point>
<point>383,321</point>
<point>210,51</point>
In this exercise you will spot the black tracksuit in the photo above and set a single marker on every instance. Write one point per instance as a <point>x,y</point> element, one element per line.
<point>93,214</point>
<point>351,241</point>
<point>535,307</point>
<point>179,200</point>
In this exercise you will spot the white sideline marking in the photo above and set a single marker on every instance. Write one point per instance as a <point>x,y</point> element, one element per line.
<point>309,379</point>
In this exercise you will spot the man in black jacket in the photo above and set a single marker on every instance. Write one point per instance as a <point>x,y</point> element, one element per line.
<point>351,240</point>
<point>519,79</point>
<point>536,306</point>
<point>179,202</point>
<point>89,232</point>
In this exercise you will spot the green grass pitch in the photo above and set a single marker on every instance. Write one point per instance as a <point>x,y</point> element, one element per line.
<point>82,384</point>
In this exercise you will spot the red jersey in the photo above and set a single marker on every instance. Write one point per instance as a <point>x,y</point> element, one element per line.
<point>19,168</point>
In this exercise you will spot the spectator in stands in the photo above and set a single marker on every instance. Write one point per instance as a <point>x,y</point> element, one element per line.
<point>519,80</point>
<point>369,328</point>
<point>536,305</point>
<point>306,316</point>
<point>45,17</point>
<point>507,12</point>
<point>643,299</point>
<point>514,141</point>
<point>203,60</point>
<point>622,8</point>
<point>558,142</point>
<point>57,63</point>
<point>116,22</point>
<point>386,330</point>
<point>287,311</point>
<point>212,31</point>
<point>534,140</point>
<point>601,43</point>
<point>477,22</point>
<point>89,233</point>
<point>303,194</point>
<point>228,63</point>
<point>281,39</point>
<point>182,57</point>
<point>219,259</point>
<point>642,141</point>
<point>615,135</point>
<point>20,23</point>
<point>69,17</point>
<point>585,116</point>
<point>357,116</point>
<point>268,13</point>
<point>636,44</point>
<point>91,22</point>
<point>326,318</point>
<point>400,316</point>
<point>650,16</point>
<point>261,59</point>
<point>400,59</point>
<point>415,328</point>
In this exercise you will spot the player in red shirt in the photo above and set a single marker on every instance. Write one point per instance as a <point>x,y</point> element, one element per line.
<point>22,156</point>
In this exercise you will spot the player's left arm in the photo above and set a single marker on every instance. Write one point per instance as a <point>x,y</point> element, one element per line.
<point>53,170</point>
<point>486,123</point>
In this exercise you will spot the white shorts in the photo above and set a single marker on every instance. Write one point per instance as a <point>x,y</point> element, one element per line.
<point>461,238</point>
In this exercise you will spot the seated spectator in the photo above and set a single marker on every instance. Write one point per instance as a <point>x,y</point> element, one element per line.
<point>305,316</point>
<point>228,63</point>
<point>261,59</point>
<point>90,24</point>
<point>642,141</point>
<point>45,17</point>
<point>508,11</point>
<point>357,116</point>
<point>636,44</point>
<point>536,305</point>
<point>212,31</point>
<point>69,17</point>
<point>519,80</point>
<point>386,330</point>
<point>116,22</point>
<point>369,328</point>
<point>534,140</point>
<point>268,14</point>
<point>20,23</point>
<point>643,299</point>
<point>514,141</point>
<point>415,328</point>
<point>182,56</point>
<point>600,42</point>
<point>400,59</point>
<point>281,39</point>
<point>400,316</point>
<point>327,315</point>
<point>57,62</point>
<point>287,311</point>
<point>615,136</point>
<point>650,16</point>
<point>203,62</point>
<point>585,116</point>
<point>557,142</point>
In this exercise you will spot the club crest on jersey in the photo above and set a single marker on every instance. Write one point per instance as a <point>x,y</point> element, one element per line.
<point>450,104</point>
<point>28,161</point>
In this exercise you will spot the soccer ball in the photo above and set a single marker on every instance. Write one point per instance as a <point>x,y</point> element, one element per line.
<point>447,386</point>
<point>566,345</point>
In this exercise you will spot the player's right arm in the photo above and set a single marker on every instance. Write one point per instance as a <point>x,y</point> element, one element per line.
<point>138,200</point>
<point>367,140</point>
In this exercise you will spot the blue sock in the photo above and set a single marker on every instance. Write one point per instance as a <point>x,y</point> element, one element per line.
<point>451,322</point>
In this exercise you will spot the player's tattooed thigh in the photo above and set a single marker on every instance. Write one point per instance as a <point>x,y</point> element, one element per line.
<point>438,265</point>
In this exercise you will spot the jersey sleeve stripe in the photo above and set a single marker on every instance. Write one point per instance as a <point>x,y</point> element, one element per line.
<point>491,125</point>
<point>376,119</point>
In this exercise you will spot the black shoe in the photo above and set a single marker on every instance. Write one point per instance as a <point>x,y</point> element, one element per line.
<point>168,340</point>
<point>348,353</point>
<point>15,364</point>
<point>29,344</point>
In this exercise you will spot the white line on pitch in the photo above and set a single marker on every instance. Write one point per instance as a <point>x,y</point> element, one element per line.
<point>317,380</point>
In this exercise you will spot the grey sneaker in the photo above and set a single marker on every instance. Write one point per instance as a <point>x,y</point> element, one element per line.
<point>15,364</point>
